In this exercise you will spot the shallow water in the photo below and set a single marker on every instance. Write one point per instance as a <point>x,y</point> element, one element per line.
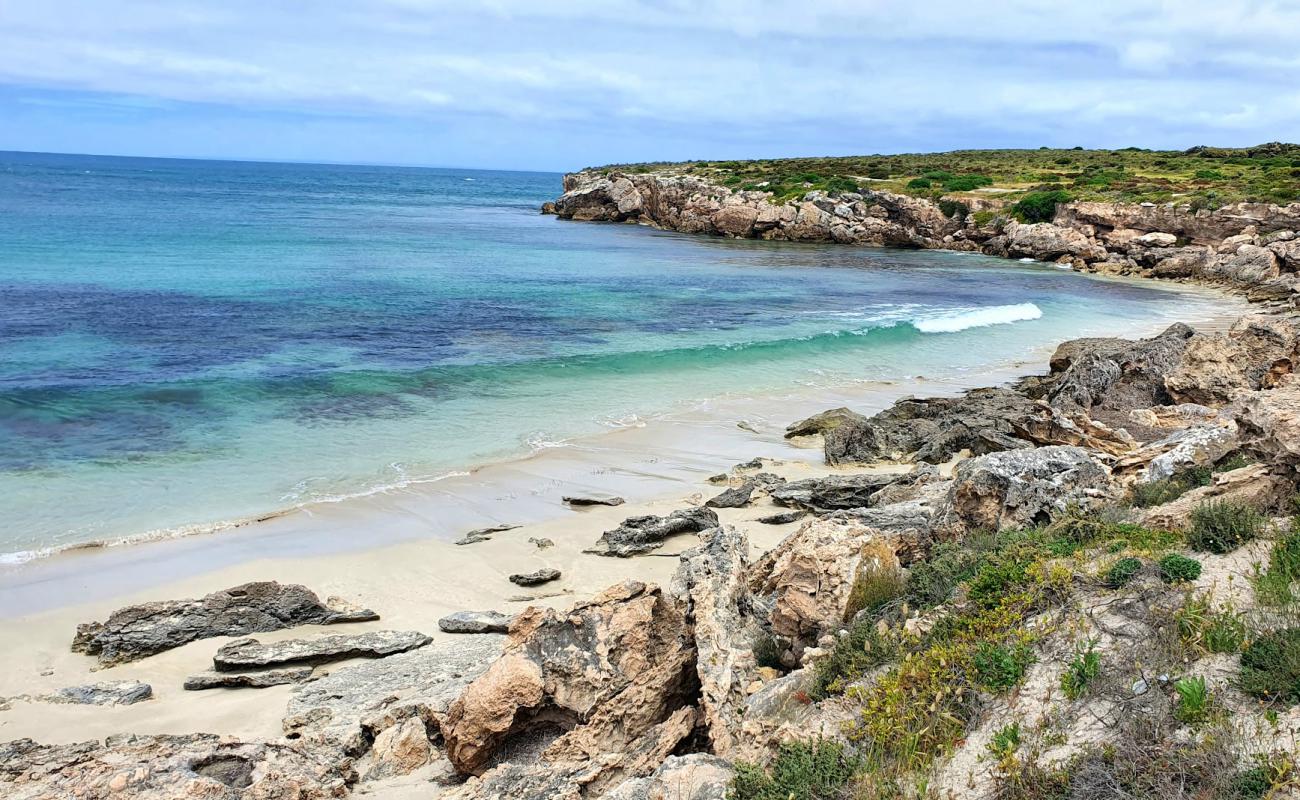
<point>184,343</point>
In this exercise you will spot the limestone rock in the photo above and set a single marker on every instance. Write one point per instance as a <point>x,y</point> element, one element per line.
<point>1157,239</point>
<point>105,693</point>
<point>400,749</point>
<point>483,534</point>
<point>1021,489</point>
<point>244,654</point>
<point>196,766</point>
<point>610,670</point>
<point>821,495</point>
<point>782,518</point>
<point>735,497</point>
<point>637,535</point>
<point>593,500</point>
<point>536,577</point>
<point>475,622</point>
<point>1119,374</point>
<point>1250,265</point>
<point>1196,446</point>
<point>1253,354</point>
<point>697,776</point>
<point>1047,242</point>
<point>1270,421</point>
<point>1255,485</point>
<point>247,680</point>
<point>823,422</point>
<point>135,632</point>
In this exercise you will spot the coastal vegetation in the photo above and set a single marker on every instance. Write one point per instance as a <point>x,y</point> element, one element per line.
<point>1034,180</point>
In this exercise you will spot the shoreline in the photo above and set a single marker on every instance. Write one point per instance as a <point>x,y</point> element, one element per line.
<point>643,462</point>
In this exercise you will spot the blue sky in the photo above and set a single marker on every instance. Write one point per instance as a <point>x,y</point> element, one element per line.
<point>561,85</point>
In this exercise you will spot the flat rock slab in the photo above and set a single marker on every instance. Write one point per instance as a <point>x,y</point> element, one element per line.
<point>735,497</point>
<point>250,654</point>
<point>143,630</point>
<point>106,693</point>
<point>475,622</point>
<point>484,534</point>
<point>247,680</point>
<point>782,518</point>
<point>535,578</point>
<point>593,500</point>
<point>639,535</point>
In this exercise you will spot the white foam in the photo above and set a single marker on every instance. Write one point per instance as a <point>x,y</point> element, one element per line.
<point>979,318</point>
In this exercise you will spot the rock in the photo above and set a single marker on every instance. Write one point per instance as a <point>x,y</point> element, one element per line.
<point>593,500</point>
<point>484,534</point>
<point>1255,485</point>
<point>474,622</point>
<point>1250,265</point>
<point>1157,239</point>
<point>139,631</point>
<point>1197,446</point>
<point>1288,253</point>
<point>1270,422</point>
<point>911,486</point>
<point>735,497</point>
<point>697,776</point>
<point>610,670</point>
<point>536,577</point>
<point>1021,489</point>
<point>355,702</point>
<point>198,766</point>
<point>823,422</point>
<point>783,518</point>
<point>244,654</point>
<point>1253,354</point>
<point>637,535</point>
<point>821,495</point>
<point>400,750</point>
<point>541,543</point>
<point>711,583</point>
<point>247,680</point>
<point>806,578</point>
<point>1047,242</point>
<point>106,693</point>
<point>1118,374</point>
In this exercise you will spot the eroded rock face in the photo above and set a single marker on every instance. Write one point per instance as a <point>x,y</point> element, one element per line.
<point>1194,446</point>
<point>694,777</point>
<point>1270,421</point>
<point>1117,374</point>
<point>1021,488</point>
<point>199,766</point>
<point>244,654</point>
<point>642,534</point>
<point>833,492</point>
<point>135,632</point>
<point>1254,354</point>
<point>247,680</point>
<point>609,670</point>
<point>806,579</point>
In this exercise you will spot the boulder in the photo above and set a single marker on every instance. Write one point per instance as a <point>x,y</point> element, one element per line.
<point>697,776</point>
<point>806,579</point>
<point>782,518</point>
<point>1269,422</point>
<point>247,680</point>
<point>399,750</point>
<point>1157,239</point>
<point>139,631</point>
<point>1288,254</point>
<point>1047,242</point>
<point>475,622</point>
<point>608,671</point>
<point>1021,489</point>
<point>1196,446</point>
<point>1250,265</point>
<point>105,693</point>
<point>536,577</point>
<point>198,766</point>
<point>1118,374</point>
<point>243,654</point>
<point>735,497</point>
<point>821,495</point>
<point>823,422</point>
<point>1253,354</point>
<point>637,535</point>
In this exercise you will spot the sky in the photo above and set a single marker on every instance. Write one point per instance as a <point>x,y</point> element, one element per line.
<point>561,85</point>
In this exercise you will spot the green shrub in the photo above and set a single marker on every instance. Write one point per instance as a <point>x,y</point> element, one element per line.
<point>966,183</point>
<point>1270,667</point>
<point>863,649</point>
<point>998,667</point>
<point>982,218</point>
<point>1176,569</point>
<point>1039,206</point>
<point>938,175</point>
<point>919,183</point>
<point>1081,671</point>
<point>1005,741</point>
<point>812,770</point>
<point>1207,630</point>
<point>767,653</point>
<point>841,184</point>
<point>953,208</point>
<point>1223,526</point>
<point>1251,784</point>
<point>873,587</point>
<point>1193,699</point>
<point>931,582</point>
<point>995,580</point>
<point>1122,571</point>
<point>1273,585</point>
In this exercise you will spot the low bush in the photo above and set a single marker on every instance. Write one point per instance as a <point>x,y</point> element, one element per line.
<point>1001,667</point>
<point>873,587</point>
<point>919,183</point>
<point>1274,585</point>
<point>1081,671</point>
<point>1223,526</point>
<point>1005,742</point>
<point>1270,667</point>
<point>863,649</point>
<point>1209,631</point>
<point>1193,704</point>
<point>810,770</point>
<point>1122,571</point>
<point>1178,569</point>
<point>966,183</point>
<point>954,208</point>
<point>1039,206</point>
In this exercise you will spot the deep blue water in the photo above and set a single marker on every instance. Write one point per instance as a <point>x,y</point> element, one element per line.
<point>183,342</point>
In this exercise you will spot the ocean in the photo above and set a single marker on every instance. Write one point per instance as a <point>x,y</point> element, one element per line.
<point>187,343</point>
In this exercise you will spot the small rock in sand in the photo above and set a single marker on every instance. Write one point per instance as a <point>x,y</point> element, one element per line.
<point>107,693</point>
<point>593,500</point>
<point>245,653</point>
<point>535,578</point>
<point>735,497</point>
<point>542,544</point>
<point>783,518</point>
<point>247,680</point>
<point>484,534</point>
<point>474,622</point>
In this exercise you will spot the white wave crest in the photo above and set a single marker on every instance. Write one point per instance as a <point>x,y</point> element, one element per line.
<point>979,318</point>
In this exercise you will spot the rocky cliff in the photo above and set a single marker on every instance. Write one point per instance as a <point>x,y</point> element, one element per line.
<point>1252,246</point>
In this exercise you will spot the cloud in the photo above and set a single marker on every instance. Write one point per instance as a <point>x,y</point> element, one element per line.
<point>862,75</point>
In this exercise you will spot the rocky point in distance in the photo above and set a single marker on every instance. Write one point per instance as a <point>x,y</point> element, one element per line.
<point>1086,584</point>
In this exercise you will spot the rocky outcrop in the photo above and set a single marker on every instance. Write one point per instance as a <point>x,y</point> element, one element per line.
<point>138,631</point>
<point>1021,489</point>
<point>1270,422</point>
<point>1256,486</point>
<point>247,680</point>
<point>822,495</point>
<point>105,693</point>
<point>693,777</point>
<point>1117,374</point>
<point>638,535</point>
<point>196,766</point>
<point>243,654</point>
<point>1254,354</point>
<point>474,622</point>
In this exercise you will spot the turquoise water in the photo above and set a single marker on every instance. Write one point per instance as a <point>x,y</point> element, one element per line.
<point>184,342</point>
